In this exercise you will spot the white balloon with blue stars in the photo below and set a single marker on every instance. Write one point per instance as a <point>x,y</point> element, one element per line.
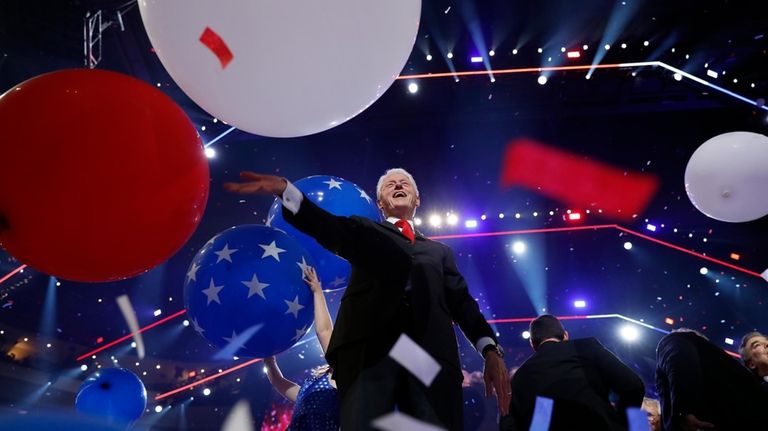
<point>244,292</point>
<point>337,196</point>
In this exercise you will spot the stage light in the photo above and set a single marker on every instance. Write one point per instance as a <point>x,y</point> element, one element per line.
<point>650,227</point>
<point>206,392</point>
<point>476,59</point>
<point>158,409</point>
<point>501,215</point>
<point>673,49</point>
<point>133,345</point>
<point>646,43</point>
<point>711,73</point>
<point>542,80</point>
<point>574,216</point>
<point>215,120</point>
<point>518,247</point>
<point>185,322</point>
<point>435,220</point>
<point>157,366</point>
<point>669,321</point>
<point>580,303</point>
<point>623,46</point>
<point>535,214</point>
<point>629,333</point>
<point>585,47</point>
<point>517,215</point>
<point>483,217</point>
<point>452,219</point>
<point>540,50</point>
<point>491,53</point>
<point>83,367</point>
<point>210,153</point>
<point>735,256</point>
<point>607,46</point>
<point>573,54</point>
<point>514,52</point>
<point>429,57</point>
<point>678,77</point>
<point>417,221</point>
<point>526,335</point>
<point>703,270</point>
<point>470,224</point>
<point>735,81</point>
<point>562,49</point>
<point>628,245</point>
<point>449,55</point>
<point>413,88</point>
<point>202,128</point>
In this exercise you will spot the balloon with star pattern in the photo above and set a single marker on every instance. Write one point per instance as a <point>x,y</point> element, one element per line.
<point>339,197</point>
<point>244,292</point>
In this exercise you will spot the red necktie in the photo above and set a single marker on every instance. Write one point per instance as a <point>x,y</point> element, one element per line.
<point>406,229</point>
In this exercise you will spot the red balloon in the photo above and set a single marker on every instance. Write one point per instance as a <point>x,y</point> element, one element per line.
<point>103,176</point>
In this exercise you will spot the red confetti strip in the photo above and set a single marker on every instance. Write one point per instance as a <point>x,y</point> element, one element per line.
<point>216,44</point>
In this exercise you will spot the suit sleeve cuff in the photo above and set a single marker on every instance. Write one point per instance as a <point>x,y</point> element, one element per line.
<point>291,198</point>
<point>481,343</point>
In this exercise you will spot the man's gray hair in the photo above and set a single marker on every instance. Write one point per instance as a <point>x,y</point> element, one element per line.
<point>743,346</point>
<point>380,184</point>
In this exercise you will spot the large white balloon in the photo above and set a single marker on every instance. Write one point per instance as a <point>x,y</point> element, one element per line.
<point>282,68</point>
<point>727,177</point>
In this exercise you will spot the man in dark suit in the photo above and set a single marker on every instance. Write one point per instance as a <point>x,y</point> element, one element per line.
<point>401,283</point>
<point>578,376</point>
<point>701,387</point>
<point>754,354</point>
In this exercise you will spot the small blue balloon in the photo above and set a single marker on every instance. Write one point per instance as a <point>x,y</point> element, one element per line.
<point>114,394</point>
<point>245,293</point>
<point>337,196</point>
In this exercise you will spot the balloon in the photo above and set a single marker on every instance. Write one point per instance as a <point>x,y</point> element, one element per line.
<point>282,68</point>
<point>726,177</point>
<point>337,196</point>
<point>244,291</point>
<point>103,176</point>
<point>115,394</point>
<point>55,420</point>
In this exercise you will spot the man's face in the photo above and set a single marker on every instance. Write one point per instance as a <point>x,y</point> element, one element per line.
<point>757,354</point>
<point>398,197</point>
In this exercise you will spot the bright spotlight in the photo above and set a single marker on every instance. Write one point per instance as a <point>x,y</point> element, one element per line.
<point>580,303</point>
<point>703,270</point>
<point>417,221</point>
<point>514,51</point>
<point>491,53</point>
<point>526,335</point>
<point>435,220</point>
<point>413,88</point>
<point>540,50</point>
<point>646,43</point>
<point>542,80</point>
<point>449,55</point>
<point>429,57</point>
<point>207,391</point>
<point>562,49</point>
<point>185,322</point>
<point>629,333</point>
<point>678,77</point>
<point>470,224</point>
<point>518,247</point>
<point>623,46</point>
<point>585,47</point>
<point>210,153</point>
<point>158,409</point>
<point>83,367</point>
<point>607,46</point>
<point>628,245</point>
<point>452,219</point>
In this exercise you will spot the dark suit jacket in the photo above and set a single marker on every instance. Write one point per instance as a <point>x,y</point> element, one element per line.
<point>578,375</point>
<point>694,376</point>
<point>376,307</point>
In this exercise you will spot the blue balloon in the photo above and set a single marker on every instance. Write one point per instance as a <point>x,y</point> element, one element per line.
<point>55,420</point>
<point>245,293</point>
<point>339,197</point>
<point>114,394</point>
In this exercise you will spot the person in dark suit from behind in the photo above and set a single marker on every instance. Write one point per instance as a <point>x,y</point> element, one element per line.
<point>578,375</point>
<point>701,387</point>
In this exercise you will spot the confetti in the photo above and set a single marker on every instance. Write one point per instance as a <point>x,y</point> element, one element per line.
<point>216,44</point>
<point>396,421</point>
<point>239,418</point>
<point>133,324</point>
<point>542,414</point>
<point>411,356</point>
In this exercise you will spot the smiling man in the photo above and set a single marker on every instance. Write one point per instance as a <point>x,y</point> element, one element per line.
<point>401,283</point>
<point>754,353</point>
